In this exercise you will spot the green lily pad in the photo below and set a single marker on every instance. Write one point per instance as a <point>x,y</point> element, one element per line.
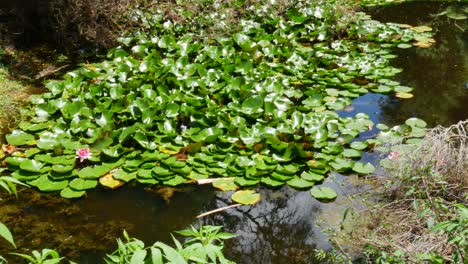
<point>93,172</point>
<point>300,183</point>
<point>341,165</point>
<point>109,181</point>
<point>31,165</point>
<point>244,182</point>
<point>359,145</point>
<point>271,182</point>
<point>352,153</point>
<point>62,168</point>
<point>177,180</point>
<point>82,184</point>
<point>18,137</point>
<point>362,168</point>
<point>120,174</point>
<point>70,193</point>
<point>246,197</point>
<point>323,193</point>
<point>225,184</point>
<point>416,122</point>
<point>44,184</point>
<point>312,176</point>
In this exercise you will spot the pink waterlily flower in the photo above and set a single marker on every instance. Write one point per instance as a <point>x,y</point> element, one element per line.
<point>83,153</point>
<point>393,155</point>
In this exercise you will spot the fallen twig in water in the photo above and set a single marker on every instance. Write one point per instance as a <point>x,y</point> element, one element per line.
<point>218,210</point>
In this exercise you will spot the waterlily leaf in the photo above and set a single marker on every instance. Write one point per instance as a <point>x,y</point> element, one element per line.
<point>300,183</point>
<point>416,122</point>
<point>120,174</point>
<point>79,184</point>
<point>352,153</point>
<point>15,161</point>
<point>93,172</point>
<point>341,165</point>
<point>271,182</point>
<point>23,176</point>
<point>404,95</point>
<point>404,45</point>
<point>176,180</point>
<point>244,182</point>
<point>359,145</point>
<point>421,29</point>
<point>109,181</point>
<point>18,138</point>
<point>70,193</point>
<point>362,168</point>
<point>62,168</point>
<point>246,197</point>
<point>323,193</point>
<point>312,176</point>
<point>48,141</point>
<point>225,184</point>
<point>44,184</point>
<point>31,165</point>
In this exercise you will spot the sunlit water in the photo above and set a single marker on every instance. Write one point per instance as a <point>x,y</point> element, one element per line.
<point>283,226</point>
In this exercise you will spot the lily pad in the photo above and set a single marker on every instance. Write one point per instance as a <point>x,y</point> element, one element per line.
<point>323,193</point>
<point>93,172</point>
<point>44,184</point>
<point>246,197</point>
<point>300,183</point>
<point>82,184</point>
<point>109,181</point>
<point>70,193</point>
<point>404,95</point>
<point>362,168</point>
<point>18,137</point>
<point>31,165</point>
<point>225,184</point>
<point>416,122</point>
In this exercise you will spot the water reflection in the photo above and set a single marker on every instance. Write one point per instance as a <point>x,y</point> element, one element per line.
<point>438,73</point>
<point>281,228</point>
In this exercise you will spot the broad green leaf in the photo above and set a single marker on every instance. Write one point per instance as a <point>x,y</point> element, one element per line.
<point>246,197</point>
<point>44,184</point>
<point>225,184</point>
<point>31,165</point>
<point>93,172</point>
<point>323,193</point>
<point>312,176</point>
<point>362,168</point>
<point>18,137</point>
<point>80,184</point>
<point>359,145</point>
<point>299,183</point>
<point>416,122</point>
<point>109,181</point>
<point>70,193</point>
<point>6,234</point>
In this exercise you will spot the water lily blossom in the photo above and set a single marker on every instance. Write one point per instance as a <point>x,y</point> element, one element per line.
<point>393,155</point>
<point>83,153</point>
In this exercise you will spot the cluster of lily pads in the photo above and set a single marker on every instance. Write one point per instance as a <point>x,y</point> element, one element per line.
<point>257,106</point>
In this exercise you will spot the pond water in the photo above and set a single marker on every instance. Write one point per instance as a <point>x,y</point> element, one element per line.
<point>282,227</point>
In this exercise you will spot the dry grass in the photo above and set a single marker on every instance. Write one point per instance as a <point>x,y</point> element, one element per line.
<point>426,181</point>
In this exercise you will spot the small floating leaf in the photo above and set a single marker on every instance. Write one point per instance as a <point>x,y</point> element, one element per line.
<point>82,184</point>
<point>299,183</point>
<point>31,165</point>
<point>246,197</point>
<point>421,29</point>
<point>404,95</point>
<point>70,193</point>
<point>323,193</point>
<point>225,184</point>
<point>360,145</point>
<point>416,122</point>
<point>109,181</point>
<point>18,138</point>
<point>362,168</point>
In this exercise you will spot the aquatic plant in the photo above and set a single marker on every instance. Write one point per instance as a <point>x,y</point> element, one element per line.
<point>169,107</point>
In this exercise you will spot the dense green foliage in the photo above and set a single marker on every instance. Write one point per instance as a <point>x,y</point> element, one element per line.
<point>170,106</point>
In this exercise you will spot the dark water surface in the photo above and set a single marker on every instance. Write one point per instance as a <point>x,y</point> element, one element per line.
<point>282,227</point>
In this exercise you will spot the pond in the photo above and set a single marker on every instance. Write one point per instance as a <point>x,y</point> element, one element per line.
<point>282,227</point>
